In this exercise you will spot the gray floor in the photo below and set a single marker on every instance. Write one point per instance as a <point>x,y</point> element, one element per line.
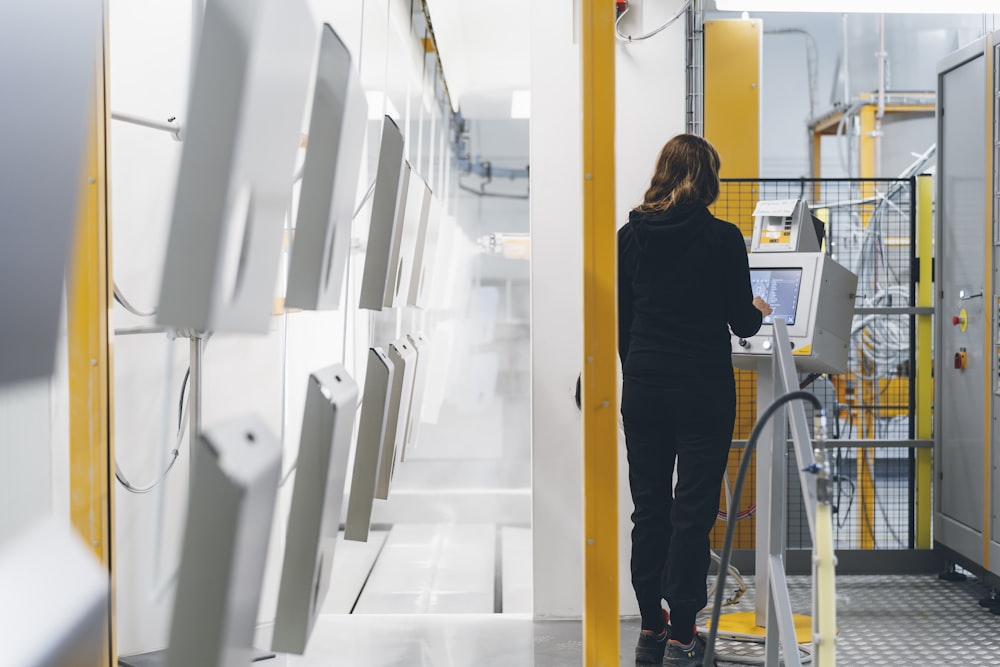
<point>901,621</point>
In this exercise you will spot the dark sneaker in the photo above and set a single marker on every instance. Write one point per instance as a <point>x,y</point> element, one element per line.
<point>650,647</point>
<point>686,656</point>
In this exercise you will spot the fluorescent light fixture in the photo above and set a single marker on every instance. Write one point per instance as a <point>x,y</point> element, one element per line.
<point>860,6</point>
<point>376,98</point>
<point>520,104</point>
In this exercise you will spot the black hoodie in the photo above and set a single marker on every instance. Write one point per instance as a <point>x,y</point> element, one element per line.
<point>683,282</point>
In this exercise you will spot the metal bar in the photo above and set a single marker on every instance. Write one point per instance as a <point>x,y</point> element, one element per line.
<point>925,359</point>
<point>911,385</point>
<point>919,444</point>
<point>765,479</point>
<point>600,386</point>
<point>892,310</point>
<point>134,331</point>
<point>88,294</point>
<point>802,444</point>
<point>783,612</point>
<point>195,349</point>
<point>988,328</point>
<point>171,126</point>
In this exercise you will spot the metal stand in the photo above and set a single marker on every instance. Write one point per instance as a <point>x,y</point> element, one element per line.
<point>773,610</point>
<point>196,350</point>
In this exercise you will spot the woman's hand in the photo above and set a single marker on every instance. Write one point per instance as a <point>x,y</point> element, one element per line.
<point>762,306</point>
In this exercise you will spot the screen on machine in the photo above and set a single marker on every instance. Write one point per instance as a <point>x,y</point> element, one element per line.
<point>780,288</point>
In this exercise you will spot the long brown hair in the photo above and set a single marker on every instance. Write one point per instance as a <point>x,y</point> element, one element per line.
<point>687,172</point>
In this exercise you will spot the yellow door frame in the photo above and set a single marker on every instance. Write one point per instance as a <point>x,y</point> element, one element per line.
<point>599,401</point>
<point>88,298</point>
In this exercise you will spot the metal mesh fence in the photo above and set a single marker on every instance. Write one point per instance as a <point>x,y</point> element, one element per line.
<point>870,229</point>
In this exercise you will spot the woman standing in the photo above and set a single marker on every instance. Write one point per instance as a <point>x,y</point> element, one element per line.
<point>683,283</point>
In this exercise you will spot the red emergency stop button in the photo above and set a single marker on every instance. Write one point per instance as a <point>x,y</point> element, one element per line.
<point>956,320</point>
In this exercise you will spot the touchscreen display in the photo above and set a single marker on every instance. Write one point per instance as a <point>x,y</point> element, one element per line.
<point>780,288</point>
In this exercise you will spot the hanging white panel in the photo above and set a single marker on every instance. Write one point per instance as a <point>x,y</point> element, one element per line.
<point>388,204</point>
<point>329,180</point>
<point>240,143</point>
<point>403,358</point>
<point>314,518</point>
<point>371,434</point>
<point>234,483</point>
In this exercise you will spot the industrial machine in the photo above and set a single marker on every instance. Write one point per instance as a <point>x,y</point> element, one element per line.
<point>804,286</point>
<point>812,297</point>
<point>967,336</point>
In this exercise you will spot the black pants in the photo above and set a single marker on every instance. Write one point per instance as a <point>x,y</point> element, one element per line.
<point>670,536</point>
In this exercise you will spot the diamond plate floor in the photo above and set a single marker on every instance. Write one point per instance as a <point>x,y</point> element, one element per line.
<point>897,621</point>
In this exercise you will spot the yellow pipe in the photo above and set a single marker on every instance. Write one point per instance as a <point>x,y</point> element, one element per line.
<point>988,328</point>
<point>88,295</point>
<point>925,359</point>
<point>825,639</point>
<point>600,345</point>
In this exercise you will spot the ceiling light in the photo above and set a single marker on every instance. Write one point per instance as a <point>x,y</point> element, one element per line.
<point>520,104</point>
<point>860,6</point>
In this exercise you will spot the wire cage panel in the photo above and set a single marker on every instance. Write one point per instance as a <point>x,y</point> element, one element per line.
<point>870,228</point>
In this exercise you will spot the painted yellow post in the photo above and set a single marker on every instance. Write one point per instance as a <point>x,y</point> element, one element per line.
<point>88,295</point>
<point>600,347</point>
<point>732,125</point>
<point>925,359</point>
<point>865,473</point>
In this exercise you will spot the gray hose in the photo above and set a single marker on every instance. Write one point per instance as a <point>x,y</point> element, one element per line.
<point>727,549</point>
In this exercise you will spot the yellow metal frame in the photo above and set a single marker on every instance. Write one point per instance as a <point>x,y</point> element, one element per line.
<point>88,296</point>
<point>600,345</point>
<point>925,359</point>
<point>827,126</point>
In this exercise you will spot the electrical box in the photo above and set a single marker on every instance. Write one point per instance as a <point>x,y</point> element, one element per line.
<point>967,325</point>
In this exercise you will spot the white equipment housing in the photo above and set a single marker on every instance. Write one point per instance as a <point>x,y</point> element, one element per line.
<point>809,290</point>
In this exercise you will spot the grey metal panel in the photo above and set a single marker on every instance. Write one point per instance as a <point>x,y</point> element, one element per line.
<point>53,610</point>
<point>314,518</point>
<point>371,434</point>
<point>403,358</point>
<point>961,230</point>
<point>423,363</point>
<point>405,247</point>
<point>329,180</point>
<point>424,255</point>
<point>388,202</point>
<point>234,482</point>
<point>241,139</point>
<point>959,537</point>
<point>48,50</point>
